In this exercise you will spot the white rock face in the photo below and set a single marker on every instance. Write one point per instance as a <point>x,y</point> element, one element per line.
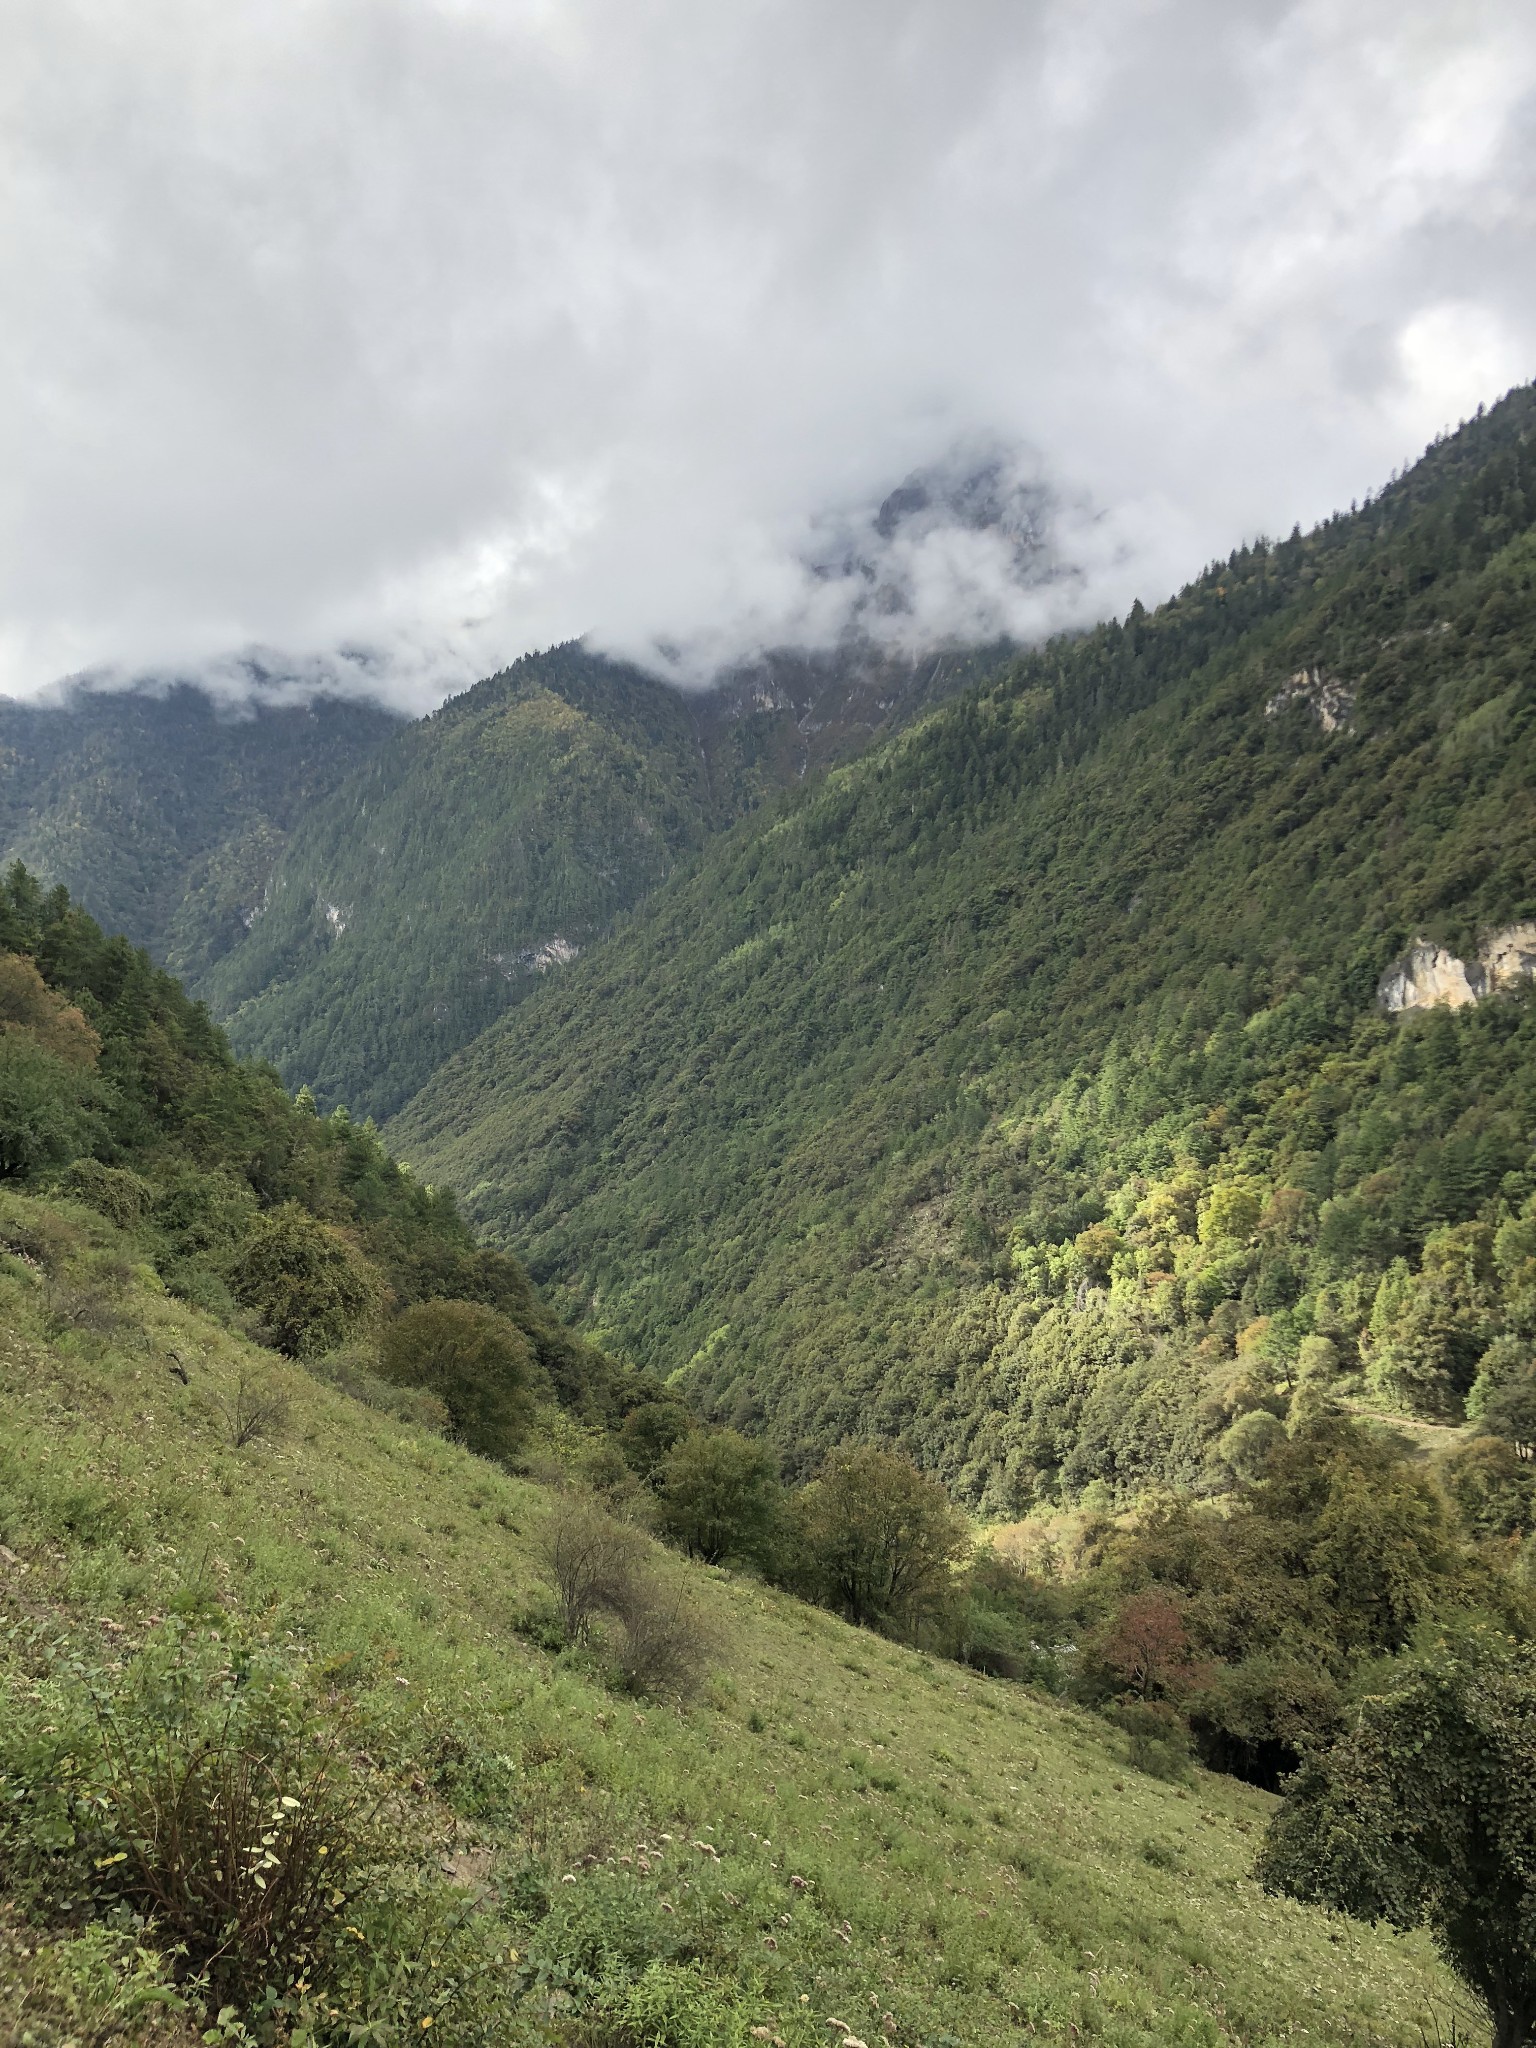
<point>1510,955</point>
<point>555,952</point>
<point>1330,702</point>
<point>1427,977</point>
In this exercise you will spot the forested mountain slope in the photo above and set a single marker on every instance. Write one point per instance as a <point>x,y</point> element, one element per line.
<point>484,847</point>
<point>164,812</point>
<point>1021,1092</point>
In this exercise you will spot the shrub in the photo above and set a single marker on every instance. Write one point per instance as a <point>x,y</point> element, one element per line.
<point>352,1371</point>
<point>599,1567</point>
<point>649,1432</point>
<point>123,1197</point>
<point>46,1106</point>
<point>1157,1740</point>
<point>201,1791</point>
<point>475,1360</point>
<point>305,1282</point>
<point>718,1497</point>
<point>591,1560</point>
<point>665,1644</point>
<point>1424,1814</point>
<point>251,1409</point>
<point>881,1541</point>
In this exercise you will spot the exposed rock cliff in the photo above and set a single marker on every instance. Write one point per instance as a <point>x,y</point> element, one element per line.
<point>1427,976</point>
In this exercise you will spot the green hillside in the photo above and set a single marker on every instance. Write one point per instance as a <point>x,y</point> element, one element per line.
<point>162,812</point>
<point>1019,1093</point>
<point>482,848</point>
<point>478,850</point>
<point>841,1841</point>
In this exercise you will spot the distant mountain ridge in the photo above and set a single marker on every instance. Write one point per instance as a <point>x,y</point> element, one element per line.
<point>485,847</point>
<point>357,895</point>
<point>989,1093</point>
<point>163,810</point>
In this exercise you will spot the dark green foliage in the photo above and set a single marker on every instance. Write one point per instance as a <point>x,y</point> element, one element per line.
<point>475,1361</point>
<point>46,1107</point>
<point>162,812</point>
<point>307,1287</point>
<point>718,1497</point>
<point>989,1092</point>
<point>1424,1814</point>
<point>248,1203</point>
<point>1511,1413</point>
<point>1254,1622</point>
<point>879,1542</point>
<point>467,858</point>
<point>648,1432</point>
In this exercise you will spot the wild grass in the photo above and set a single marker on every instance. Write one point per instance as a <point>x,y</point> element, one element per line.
<point>840,1829</point>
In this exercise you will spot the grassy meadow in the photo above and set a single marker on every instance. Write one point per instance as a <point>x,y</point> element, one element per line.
<point>841,1838</point>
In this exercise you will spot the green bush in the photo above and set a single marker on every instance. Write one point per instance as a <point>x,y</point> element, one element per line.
<point>200,1790</point>
<point>353,1371</point>
<point>476,1361</point>
<point>308,1286</point>
<point>880,1542</point>
<point>718,1497</point>
<point>46,1107</point>
<point>116,1192</point>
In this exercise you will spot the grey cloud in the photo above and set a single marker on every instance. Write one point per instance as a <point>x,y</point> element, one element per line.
<point>438,329</point>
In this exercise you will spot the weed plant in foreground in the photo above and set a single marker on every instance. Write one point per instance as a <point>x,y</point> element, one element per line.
<point>353,1614</point>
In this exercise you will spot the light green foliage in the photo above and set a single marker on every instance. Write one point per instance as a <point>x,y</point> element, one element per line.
<point>885,1833</point>
<point>1230,1214</point>
<point>475,1361</point>
<point>824,1127</point>
<point>1424,1814</point>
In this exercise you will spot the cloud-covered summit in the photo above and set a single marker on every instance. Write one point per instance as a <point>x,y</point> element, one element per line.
<point>444,328</point>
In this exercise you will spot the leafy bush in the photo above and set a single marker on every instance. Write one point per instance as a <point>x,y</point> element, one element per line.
<point>477,1363</point>
<point>1424,1814</point>
<point>46,1107</point>
<point>881,1541</point>
<point>718,1497</point>
<point>116,1192</point>
<point>308,1286</point>
<point>352,1371</point>
<point>201,1790</point>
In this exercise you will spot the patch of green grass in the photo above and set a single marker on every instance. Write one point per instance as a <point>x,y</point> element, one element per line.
<point>842,1873</point>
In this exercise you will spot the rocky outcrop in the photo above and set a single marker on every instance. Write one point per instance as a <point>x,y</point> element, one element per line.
<point>1427,977</point>
<point>1330,702</point>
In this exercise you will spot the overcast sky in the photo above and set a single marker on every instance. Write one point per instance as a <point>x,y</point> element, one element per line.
<point>448,328</point>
